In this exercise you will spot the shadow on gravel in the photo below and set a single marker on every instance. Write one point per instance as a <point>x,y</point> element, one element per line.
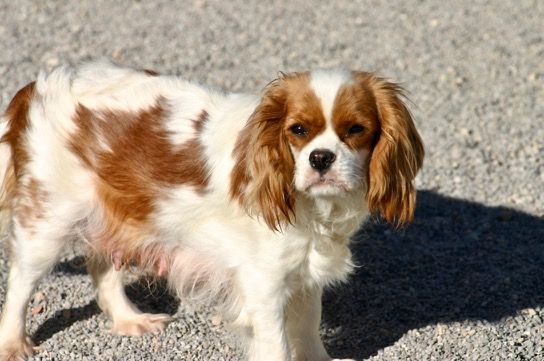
<point>64,319</point>
<point>458,261</point>
<point>149,295</point>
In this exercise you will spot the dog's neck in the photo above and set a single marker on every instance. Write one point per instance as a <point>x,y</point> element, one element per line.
<point>336,218</point>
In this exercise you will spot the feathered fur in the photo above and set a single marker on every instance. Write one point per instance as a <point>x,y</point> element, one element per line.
<point>246,200</point>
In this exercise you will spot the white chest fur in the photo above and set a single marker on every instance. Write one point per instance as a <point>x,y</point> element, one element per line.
<point>324,228</point>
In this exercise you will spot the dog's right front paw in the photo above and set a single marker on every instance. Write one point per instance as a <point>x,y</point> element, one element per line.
<point>140,324</point>
<point>17,350</point>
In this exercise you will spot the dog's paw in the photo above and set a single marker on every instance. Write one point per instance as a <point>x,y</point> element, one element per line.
<point>19,350</point>
<point>141,324</point>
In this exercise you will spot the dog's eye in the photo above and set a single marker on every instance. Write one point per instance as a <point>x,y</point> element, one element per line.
<point>355,129</point>
<point>298,129</point>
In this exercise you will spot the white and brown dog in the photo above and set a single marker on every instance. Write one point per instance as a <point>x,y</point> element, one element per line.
<point>250,200</point>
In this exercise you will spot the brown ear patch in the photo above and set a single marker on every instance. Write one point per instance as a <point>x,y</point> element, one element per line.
<point>397,155</point>
<point>262,177</point>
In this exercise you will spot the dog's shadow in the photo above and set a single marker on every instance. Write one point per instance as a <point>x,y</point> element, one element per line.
<point>458,261</point>
<point>148,295</point>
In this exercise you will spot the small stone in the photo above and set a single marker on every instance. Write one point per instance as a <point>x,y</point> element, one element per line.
<point>52,62</point>
<point>216,319</point>
<point>37,310</point>
<point>530,312</point>
<point>39,296</point>
<point>459,80</point>
<point>440,330</point>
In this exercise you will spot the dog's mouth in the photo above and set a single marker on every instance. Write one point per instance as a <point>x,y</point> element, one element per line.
<point>326,183</point>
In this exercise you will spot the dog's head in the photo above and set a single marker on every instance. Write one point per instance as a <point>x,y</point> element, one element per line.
<point>327,134</point>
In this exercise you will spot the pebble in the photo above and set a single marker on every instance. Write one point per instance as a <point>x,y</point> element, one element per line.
<point>37,310</point>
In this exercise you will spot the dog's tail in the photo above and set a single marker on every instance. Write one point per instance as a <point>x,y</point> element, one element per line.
<point>7,177</point>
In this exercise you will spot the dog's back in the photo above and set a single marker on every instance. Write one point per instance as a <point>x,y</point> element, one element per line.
<point>99,151</point>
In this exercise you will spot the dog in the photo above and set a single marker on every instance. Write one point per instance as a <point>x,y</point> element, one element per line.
<point>247,200</point>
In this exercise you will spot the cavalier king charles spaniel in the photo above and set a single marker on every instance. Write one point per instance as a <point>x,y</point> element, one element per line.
<point>249,201</point>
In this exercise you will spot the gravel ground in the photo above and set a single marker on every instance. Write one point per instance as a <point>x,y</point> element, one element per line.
<point>464,282</point>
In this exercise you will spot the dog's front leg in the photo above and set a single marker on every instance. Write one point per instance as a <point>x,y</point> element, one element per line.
<point>303,321</point>
<point>265,299</point>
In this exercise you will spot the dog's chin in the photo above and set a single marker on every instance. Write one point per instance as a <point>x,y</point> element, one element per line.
<point>326,188</point>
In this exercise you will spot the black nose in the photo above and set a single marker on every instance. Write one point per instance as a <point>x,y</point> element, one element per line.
<point>321,159</point>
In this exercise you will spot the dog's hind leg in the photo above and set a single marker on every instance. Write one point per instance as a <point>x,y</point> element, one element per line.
<point>35,249</point>
<point>126,317</point>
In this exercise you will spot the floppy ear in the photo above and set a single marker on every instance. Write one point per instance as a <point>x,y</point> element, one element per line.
<point>397,155</point>
<point>262,177</point>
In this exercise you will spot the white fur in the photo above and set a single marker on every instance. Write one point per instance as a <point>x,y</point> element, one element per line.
<point>346,171</point>
<point>325,84</point>
<point>263,275</point>
<point>186,107</point>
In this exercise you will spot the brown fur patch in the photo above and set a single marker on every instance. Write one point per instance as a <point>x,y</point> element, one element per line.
<point>303,107</point>
<point>133,158</point>
<point>7,191</point>
<point>17,115</point>
<point>355,105</point>
<point>263,173</point>
<point>30,205</point>
<point>397,155</point>
<point>134,162</point>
